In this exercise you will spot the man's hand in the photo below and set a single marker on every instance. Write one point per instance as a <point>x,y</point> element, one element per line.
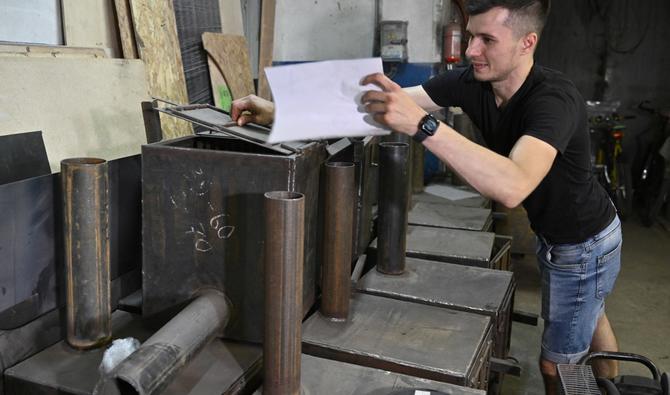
<point>392,107</point>
<point>252,109</point>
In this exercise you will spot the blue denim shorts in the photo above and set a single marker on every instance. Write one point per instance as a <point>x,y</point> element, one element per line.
<point>576,278</point>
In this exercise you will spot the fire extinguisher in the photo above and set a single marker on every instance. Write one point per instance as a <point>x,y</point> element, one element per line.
<point>452,43</point>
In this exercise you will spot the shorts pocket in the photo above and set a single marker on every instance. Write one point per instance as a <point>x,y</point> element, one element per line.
<point>608,266</point>
<point>567,257</point>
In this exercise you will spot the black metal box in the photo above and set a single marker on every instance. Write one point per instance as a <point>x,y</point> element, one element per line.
<point>203,225</point>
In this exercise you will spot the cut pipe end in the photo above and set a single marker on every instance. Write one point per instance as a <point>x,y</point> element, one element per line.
<point>284,195</point>
<point>82,161</point>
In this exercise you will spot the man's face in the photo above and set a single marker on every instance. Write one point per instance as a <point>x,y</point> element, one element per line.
<point>493,49</point>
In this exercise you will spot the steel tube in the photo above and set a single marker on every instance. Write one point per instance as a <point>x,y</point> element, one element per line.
<point>284,258</point>
<point>393,206</point>
<point>86,235</point>
<point>418,153</point>
<point>153,366</point>
<point>337,241</point>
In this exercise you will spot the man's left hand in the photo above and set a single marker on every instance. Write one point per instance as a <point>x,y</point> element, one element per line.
<point>392,106</point>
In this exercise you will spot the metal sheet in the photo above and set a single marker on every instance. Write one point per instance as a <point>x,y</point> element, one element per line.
<point>473,289</point>
<point>221,367</point>
<point>408,338</point>
<point>203,227</point>
<point>323,376</point>
<point>448,245</point>
<point>450,216</point>
<point>22,156</point>
<point>478,201</point>
<point>27,250</point>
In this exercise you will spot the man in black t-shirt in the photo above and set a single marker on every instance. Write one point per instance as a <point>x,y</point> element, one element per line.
<point>534,123</point>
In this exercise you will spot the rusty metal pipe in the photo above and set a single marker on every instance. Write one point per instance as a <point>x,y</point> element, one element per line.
<point>393,207</point>
<point>337,240</point>
<point>153,366</point>
<point>284,258</point>
<point>86,233</point>
<point>418,154</point>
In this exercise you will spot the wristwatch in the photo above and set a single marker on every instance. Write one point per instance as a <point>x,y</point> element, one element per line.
<point>427,127</point>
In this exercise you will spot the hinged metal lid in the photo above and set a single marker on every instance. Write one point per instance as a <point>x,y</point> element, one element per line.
<point>219,122</point>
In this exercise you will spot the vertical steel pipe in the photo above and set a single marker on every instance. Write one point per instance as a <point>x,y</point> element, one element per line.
<point>86,235</point>
<point>393,207</point>
<point>418,153</point>
<point>284,257</point>
<point>337,241</point>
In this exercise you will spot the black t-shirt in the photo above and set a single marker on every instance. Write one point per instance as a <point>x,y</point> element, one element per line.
<point>569,205</point>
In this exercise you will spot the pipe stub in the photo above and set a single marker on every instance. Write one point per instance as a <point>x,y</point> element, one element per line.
<point>82,161</point>
<point>284,195</point>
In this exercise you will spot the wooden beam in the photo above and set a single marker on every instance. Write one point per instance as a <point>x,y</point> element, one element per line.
<point>126,32</point>
<point>266,46</point>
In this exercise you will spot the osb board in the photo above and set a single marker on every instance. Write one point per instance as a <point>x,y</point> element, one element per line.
<point>265,52</point>
<point>90,23</point>
<point>124,21</point>
<point>84,107</point>
<point>231,17</point>
<point>222,96</point>
<point>158,46</point>
<point>55,51</point>
<point>230,54</point>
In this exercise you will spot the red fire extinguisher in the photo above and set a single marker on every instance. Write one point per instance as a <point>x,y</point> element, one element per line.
<point>452,43</point>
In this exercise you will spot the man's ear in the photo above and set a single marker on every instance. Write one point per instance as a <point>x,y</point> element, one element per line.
<point>528,43</point>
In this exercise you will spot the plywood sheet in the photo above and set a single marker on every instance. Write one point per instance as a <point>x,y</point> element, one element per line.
<point>229,53</point>
<point>90,23</point>
<point>124,21</point>
<point>92,108</point>
<point>55,51</point>
<point>220,90</point>
<point>266,46</point>
<point>158,46</point>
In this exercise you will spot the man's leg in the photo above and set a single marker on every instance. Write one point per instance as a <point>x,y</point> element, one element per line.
<point>604,340</point>
<point>549,376</point>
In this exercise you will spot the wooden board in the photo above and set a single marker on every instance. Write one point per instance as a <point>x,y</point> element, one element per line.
<point>266,46</point>
<point>124,21</point>
<point>220,90</point>
<point>92,108</point>
<point>54,51</point>
<point>90,23</point>
<point>158,46</point>
<point>229,54</point>
<point>231,17</point>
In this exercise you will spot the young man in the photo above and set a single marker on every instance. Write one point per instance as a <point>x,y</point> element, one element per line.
<point>534,123</point>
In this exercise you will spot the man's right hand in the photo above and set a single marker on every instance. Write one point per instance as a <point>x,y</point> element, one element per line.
<point>252,109</point>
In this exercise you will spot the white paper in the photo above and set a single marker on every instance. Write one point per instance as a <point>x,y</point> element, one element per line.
<point>321,100</point>
<point>449,192</point>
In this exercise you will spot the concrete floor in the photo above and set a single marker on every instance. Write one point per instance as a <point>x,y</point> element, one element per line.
<point>638,308</point>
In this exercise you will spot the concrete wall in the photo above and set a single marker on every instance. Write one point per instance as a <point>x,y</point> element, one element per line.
<point>324,29</point>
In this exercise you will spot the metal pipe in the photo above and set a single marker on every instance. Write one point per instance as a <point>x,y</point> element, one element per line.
<point>284,258</point>
<point>337,241</point>
<point>86,234</point>
<point>393,207</point>
<point>418,153</point>
<point>153,366</point>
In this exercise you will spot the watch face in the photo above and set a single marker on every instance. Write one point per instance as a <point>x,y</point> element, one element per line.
<point>429,125</point>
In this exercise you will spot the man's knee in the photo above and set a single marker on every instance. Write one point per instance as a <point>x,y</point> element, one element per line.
<point>548,368</point>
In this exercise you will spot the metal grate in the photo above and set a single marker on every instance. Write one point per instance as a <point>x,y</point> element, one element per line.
<point>577,380</point>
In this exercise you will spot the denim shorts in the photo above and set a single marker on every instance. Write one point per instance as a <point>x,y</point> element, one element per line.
<point>576,278</point>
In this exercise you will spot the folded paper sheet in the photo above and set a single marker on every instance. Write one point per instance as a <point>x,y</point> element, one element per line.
<point>321,100</point>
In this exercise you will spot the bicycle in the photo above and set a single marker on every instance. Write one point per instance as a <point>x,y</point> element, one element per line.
<point>611,165</point>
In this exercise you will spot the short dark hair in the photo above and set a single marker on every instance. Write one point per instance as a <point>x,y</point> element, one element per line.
<point>525,16</point>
